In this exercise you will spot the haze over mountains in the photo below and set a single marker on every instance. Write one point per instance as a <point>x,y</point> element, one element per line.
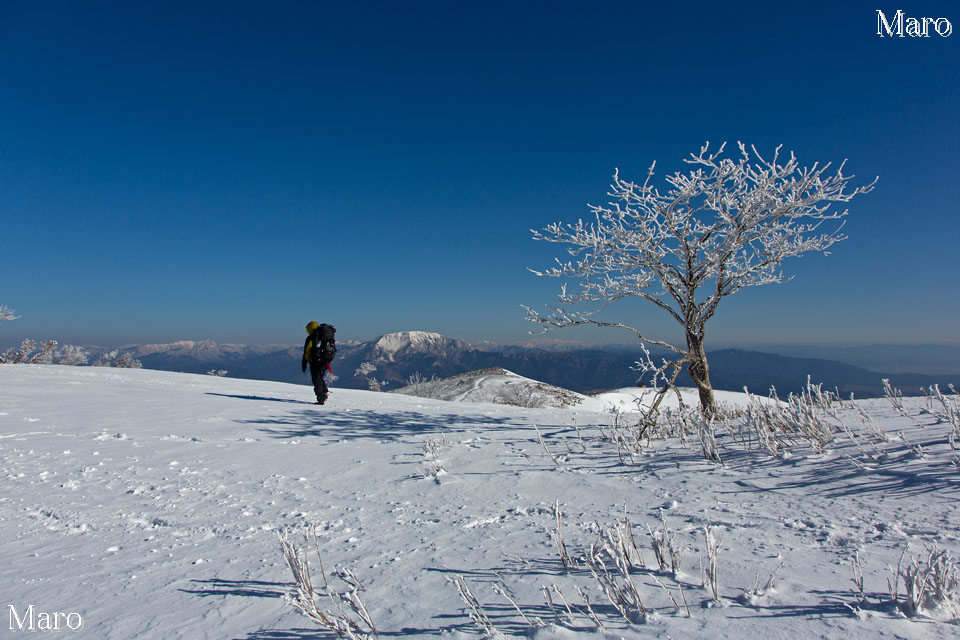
<point>399,355</point>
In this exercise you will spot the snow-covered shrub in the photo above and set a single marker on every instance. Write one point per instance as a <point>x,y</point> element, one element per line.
<point>626,439</point>
<point>432,467</point>
<point>351,619</point>
<point>947,408</point>
<point>116,359</point>
<point>431,470</point>
<point>419,386</point>
<point>518,394</point>
<point>706,431</point>
<point>930,583</point>
<point>805,418</point>
<point>127,361</point>
<point>433,447</point>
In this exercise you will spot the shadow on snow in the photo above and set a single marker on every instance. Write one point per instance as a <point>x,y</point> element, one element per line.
<point>376,425</point>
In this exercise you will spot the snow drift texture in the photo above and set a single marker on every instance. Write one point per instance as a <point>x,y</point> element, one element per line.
<point>149,503</point>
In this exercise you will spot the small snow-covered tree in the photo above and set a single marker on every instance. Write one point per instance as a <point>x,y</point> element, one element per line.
<point>70,354</point>
<point>726,225</point>
<point>364,370</point>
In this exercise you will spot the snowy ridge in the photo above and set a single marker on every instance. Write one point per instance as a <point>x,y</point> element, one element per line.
<point>149,502</point>
<point>200,348</point>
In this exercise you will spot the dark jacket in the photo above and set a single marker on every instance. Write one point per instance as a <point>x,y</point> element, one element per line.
<point>320,346</point>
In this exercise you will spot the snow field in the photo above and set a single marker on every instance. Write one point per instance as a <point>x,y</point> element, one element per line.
<point>149,502</point>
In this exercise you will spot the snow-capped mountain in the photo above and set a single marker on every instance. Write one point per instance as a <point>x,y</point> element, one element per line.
<point>396,346</point>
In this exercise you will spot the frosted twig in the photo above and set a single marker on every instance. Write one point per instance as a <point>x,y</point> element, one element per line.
<point>477,613</point>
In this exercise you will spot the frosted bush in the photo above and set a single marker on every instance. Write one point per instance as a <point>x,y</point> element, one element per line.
<point>930,583</point>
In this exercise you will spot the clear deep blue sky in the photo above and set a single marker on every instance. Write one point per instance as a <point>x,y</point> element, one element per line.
<point>231,170</point>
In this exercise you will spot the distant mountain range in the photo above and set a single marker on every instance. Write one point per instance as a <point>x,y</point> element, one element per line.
<point>933,359</point>
<point>397,356</point>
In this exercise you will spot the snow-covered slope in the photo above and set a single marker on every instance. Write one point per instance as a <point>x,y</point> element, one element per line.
<point>498,385</point>
<point>631,399</point>
<point>148,504</point>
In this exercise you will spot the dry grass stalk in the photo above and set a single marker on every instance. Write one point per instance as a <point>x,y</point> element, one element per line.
<point>352,619</point>
<point>565,558</point>
<point>477,614</point>
<point>665,547</point>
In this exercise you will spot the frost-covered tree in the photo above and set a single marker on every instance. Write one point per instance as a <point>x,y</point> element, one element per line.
<point>44,354</point>
<point>116,359</point>
<point>70,354</point>
<point>47,353</point>
<point>21,355</point>
<point>376,385</point>
<point>127,361</point>
<point>364,370</point>
<point>725,225</point>
<point>6,313</point>
<point>106,359</point>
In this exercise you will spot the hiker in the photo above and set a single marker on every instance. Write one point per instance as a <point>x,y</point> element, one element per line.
<point>319,350</point>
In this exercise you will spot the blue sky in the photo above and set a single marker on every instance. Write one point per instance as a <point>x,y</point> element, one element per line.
<point>231,170</point>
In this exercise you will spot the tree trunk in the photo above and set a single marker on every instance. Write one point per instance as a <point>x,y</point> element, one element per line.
<point>699,371</point>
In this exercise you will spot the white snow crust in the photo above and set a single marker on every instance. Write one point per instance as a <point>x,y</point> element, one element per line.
<point>149,502</point>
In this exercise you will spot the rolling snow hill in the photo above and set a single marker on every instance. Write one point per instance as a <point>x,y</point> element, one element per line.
<point>499,386</point>
<point>148,504</point>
